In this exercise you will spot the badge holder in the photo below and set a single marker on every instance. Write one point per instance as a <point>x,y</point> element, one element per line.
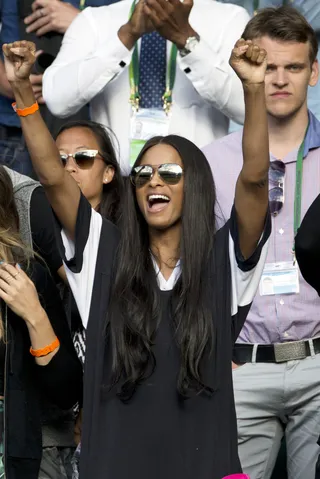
<point>145,124</point>
<point>279,278</point>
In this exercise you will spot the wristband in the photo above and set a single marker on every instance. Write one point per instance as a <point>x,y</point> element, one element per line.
<point>25,111</point>
<point>38,353</point>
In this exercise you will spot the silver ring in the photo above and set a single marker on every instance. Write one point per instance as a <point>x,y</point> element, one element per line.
<point>16,274</point>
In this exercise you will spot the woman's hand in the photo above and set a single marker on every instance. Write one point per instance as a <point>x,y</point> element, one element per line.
<point>18,292</point>
<point>19,58</point>
<point>249,61</point>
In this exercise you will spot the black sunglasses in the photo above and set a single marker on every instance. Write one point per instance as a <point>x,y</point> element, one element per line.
<point>170,173</point>
<point>84,159</point>
<point>277,173</point>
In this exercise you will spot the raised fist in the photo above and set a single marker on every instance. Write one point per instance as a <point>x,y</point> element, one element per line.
<point>19,58</point>
<point>249,61</point>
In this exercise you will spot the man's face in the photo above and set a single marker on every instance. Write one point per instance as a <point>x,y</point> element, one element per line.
<point>288,75</point>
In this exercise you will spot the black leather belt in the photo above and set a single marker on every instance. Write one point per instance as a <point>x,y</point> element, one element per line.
<point>274,353</point>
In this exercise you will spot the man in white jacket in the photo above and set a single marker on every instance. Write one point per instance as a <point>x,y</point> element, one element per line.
<point>142,51</point>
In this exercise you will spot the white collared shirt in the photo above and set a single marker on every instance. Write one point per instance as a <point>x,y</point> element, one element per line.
<point>167,284</point>
<point>92,66</point>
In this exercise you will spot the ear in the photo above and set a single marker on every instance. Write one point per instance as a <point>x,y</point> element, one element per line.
<point>108,174</point>
<point>314,73</point>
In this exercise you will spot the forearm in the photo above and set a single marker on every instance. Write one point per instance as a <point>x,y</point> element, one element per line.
<point>41,334</point>
<point>42,148</point>
<point>251,199</point>
<point>211,74</point>
<point>96,61</point>
<point>61,189</point>
<point>255,141</point>
<point>214,80</point>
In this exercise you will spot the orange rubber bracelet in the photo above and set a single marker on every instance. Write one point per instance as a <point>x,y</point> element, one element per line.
<point>25,111</point>
<point>38,353</point>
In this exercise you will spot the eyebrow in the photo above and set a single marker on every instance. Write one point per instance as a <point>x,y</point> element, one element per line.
<point>79,148</point>
<point>296,64</point>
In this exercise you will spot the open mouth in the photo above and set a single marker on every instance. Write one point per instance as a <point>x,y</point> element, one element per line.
<point>157,203</point>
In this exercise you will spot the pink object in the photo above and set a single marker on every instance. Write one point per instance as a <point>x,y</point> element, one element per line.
<point>237,476</point>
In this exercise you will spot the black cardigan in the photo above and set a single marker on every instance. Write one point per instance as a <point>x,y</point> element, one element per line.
<point>29,385</point>
<point>307,245</point>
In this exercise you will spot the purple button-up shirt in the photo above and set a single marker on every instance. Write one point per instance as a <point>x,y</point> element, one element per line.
<point>282,317</point>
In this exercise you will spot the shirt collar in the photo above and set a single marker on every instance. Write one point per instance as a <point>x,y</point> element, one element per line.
<point>313,134</point>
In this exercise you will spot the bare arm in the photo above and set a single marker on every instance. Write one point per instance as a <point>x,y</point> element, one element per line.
<point>62,191</point>
<point>251,198</point>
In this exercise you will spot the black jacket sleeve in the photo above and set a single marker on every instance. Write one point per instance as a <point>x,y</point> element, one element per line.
<point>61,379</point>
<point>307,246</point>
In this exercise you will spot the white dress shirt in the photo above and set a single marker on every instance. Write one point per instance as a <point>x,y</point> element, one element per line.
<point>92,66</point>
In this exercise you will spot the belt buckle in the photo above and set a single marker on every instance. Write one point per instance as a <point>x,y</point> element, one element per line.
<point>290,351</point>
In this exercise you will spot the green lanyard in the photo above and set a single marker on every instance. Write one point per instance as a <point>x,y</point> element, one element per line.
<point>134,76</point>
<point>82,4</point>
<point>298,190</point>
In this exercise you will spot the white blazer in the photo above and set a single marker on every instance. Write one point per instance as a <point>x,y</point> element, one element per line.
<point>92,66</point>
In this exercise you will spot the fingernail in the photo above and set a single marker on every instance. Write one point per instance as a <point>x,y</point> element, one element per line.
<point>27,30</point>
<point>1,262</point>
<point>19,266</point>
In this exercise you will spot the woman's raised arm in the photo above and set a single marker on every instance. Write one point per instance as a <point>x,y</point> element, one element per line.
<point>251,199</point>
<point>62,191</point>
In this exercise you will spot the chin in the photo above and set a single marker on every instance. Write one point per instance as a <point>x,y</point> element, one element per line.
<point>283,111</point>
<point>161,223</point>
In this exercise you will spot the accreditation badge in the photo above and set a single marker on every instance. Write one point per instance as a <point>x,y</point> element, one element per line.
<point>145,124</point>
<point>279,278</point>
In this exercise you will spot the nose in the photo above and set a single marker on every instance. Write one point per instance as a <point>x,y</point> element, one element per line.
<point>280,78</point>
<point>70,166</point>
<point>156,180</point>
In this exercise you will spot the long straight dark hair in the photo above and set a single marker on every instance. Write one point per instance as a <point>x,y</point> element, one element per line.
<point>135,299</point>
<point>110,205</point>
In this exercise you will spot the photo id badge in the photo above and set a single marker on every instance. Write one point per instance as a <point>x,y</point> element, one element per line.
<point>279,278</point>
<point>145,124</point>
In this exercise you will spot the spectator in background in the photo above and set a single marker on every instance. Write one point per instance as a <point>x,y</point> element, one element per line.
<point>97,173</point>
<point>46,25</point>
<point>311,11</point>
<point>100,181</point>
<point>115,60</point>
<point>276,378</point>
<point>32,382</point>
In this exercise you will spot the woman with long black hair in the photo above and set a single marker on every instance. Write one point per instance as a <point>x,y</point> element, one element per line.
<point>164,296</point>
